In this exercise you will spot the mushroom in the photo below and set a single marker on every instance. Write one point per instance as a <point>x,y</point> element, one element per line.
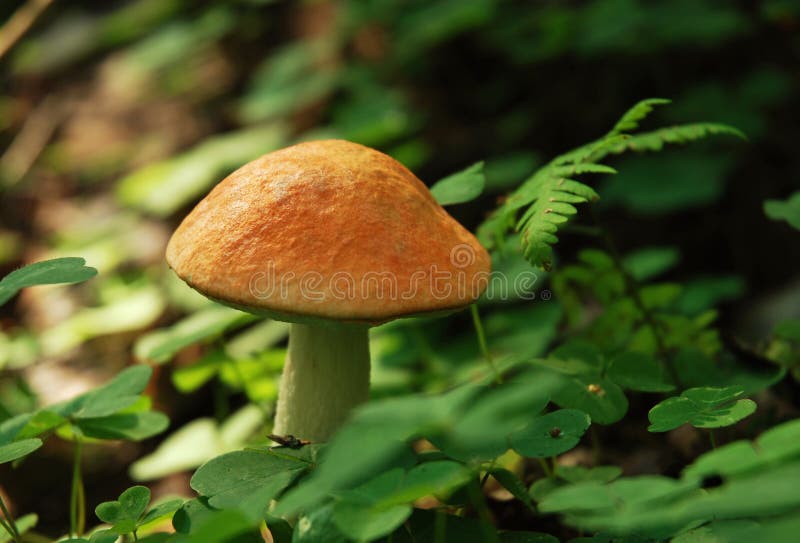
<point>333,237</point>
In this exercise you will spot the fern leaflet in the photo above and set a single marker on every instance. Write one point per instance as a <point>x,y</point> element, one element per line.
<point>546,200</point>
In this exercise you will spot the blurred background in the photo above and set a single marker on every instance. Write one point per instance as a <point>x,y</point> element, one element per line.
<point>116,117</point>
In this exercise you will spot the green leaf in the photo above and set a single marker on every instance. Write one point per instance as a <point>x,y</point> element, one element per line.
<point>132,426</point>
<point>482,431</point>
<point>460,187</point>
<point>161,510</point>
<point>366,524</point>
<point>547,199</point>
<point>551,434</point>
<point>232,478</point>
<point>630,120</point>
<point>512,483</point>
<point>162,345</point>
<point>318,526</point>
<point>601,399</point>
<point>785,210</point>
<point>704,407</point>
<point>119,393</point>
<point>123,514</point>
<point>638,371</point>
<point>789,329</point>
<point>18,449</point>
<point>24,523</point>
<point>48,272</point>
<point>219,526</point>
<point>377,507</point>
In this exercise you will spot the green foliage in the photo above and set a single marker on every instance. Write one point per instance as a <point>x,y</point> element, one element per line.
<point>547,200</point>
<point>129,512</point>
<point>702,408</point>
<point>660,507</point>
<point>460,187</point>
<point>115,410</point>
<point>24,524</point>
<point>48,272</point>
<point>551,434</point>
<point>787,210</point>
<point>18,449</point>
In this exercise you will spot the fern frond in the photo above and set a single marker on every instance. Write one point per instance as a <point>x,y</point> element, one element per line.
<point>547,199</point>
<point>655,140</point>
<point>630,120</point>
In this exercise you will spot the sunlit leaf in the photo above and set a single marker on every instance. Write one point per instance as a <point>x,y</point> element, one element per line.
<point>48,272</point>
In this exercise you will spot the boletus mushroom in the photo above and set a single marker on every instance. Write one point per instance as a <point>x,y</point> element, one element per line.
<point>333,237</point>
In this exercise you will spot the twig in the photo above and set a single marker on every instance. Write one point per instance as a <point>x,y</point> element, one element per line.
<point>20,23</point>
<point>32,138</point>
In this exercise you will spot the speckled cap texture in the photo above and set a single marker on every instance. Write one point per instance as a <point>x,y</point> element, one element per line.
<point>332,230</point>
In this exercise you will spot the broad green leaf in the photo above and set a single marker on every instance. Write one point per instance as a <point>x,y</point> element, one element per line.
<point>638,371</point>
<point>133,426</point>
<point>231,478</point>
<point>161,510</point>
<point>551,434</point>
<point>482,431</point>
<point>41,422</point>
<point>377,507</point>
<point>217,526</point>
<point>705,407</point>
<point>438,478</point>
<point>18,449</point>
<point>48,272</point>
<point>364,523</point>
<point>161,345</point>
<point>460,187</point>
<point>373,440</point>
<point>123,514</point>
<point>318,526</point>
<point>119,393</point>
<point>198,442</point>
<point>787,210</point>
<point>601,399</point>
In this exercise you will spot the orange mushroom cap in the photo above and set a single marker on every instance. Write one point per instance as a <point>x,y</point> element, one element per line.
<point>328,230</point>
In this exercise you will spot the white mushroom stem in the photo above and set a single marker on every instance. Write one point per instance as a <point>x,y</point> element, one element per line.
<point>326,375</point>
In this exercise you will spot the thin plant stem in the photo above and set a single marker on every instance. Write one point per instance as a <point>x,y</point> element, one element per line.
<point>479,502</point>
<point>77,503</point>
<point>545,467</point>
<point>712,439</point>
<point>439,527</point>
<point>476,320</point>
<point>8,522</point>
<point>633,289</point>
